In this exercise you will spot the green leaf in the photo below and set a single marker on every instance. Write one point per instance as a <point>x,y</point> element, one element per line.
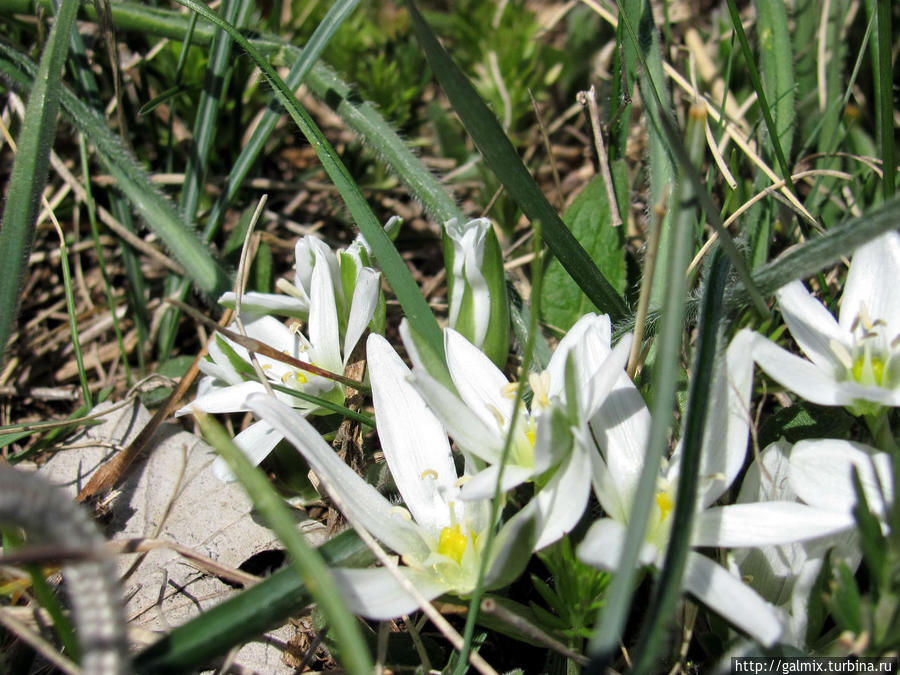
<point>588,218</point>
<point>29,173</point>
<point>845,601</point>
<point>805,420</point>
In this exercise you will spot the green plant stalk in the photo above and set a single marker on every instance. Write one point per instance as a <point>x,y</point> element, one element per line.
<point>418,313</point>
<point>215,84</point>
<point>135,291</point>
<point>306,59</point>
<point>29,173</point>
<point>309,564</point>
<point>73,323</point>
<point>605,640</point>
<point>884,94</point>
<point>504,161</point>
<point>478,593</point>
<point>777,66</point>
<point>89,90</point>
<point>689,172</point>
<point>255,145</point>
<point>645,49</point>
<point>101,259</point>
<point>362,418</point>
<point>246,615</point>
<point>668,586</point>
<point>753,73</point>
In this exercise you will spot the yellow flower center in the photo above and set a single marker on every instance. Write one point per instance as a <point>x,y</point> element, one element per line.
<point>665,504</point>
<point>452,542</point>
<point>868,370</point>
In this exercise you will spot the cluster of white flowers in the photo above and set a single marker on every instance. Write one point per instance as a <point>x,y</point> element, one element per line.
<point>586,427</point>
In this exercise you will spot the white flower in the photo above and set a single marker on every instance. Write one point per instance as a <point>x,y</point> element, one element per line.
<point>477,286</point>
<point>821,475</point>
<point>226,387</point>
<point>344,267</point>
<point>854,361</point>
<point>552,435</point>
<point>440,538</point>
<point>785,575</point>
<point>621,428</point>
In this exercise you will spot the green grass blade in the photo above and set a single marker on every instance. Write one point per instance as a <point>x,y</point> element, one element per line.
<point>884,94</point>
<point>308,563</point>
<point>644,49</point>
<point>753,73</point>
<point>29,173</point>
<point>414,305</point>
<point>249,614</point>
<point>215,84</point>
<point>503,160</point>
<point>336,15</point>
<point>154,207</point>
<point>777,68</point>
<point>605,640</point>
<point>668,586</point>
<point>804,260</point>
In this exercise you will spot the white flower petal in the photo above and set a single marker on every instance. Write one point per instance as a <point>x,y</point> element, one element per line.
<point>616,504</point>
<point>256,442</point>
<point>223,399</point>
<point>590,338</point>
<point>621,427</point>
<point>479,382</point>
<point>363,502</point>
<point>562,501</point>
<point>465,427</point>
<point>728,422</point>
<point>324,334</point>
<point>376,594</point>
<point>414,442</point>
<point>821,474</point>
<point>730,597</point>
<point>799,375</point>
<point>768,478</point>
<point>765,524</point>
<point>260,304</point>
<point>811,325</point>
<point>602,546</point>
<point>483,484</point>
<point>873,279</point>
<point>365,300</point>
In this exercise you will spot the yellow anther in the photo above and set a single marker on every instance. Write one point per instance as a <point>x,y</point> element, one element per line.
<point>840,351</point>
<point>429,473</point>
<point>665,504</point>
<point>452,542</point>
<point>540,385</point>
<point>497,415</point>
<point>864,317</point>
<point>462,480</point>
<point>508,390</point>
